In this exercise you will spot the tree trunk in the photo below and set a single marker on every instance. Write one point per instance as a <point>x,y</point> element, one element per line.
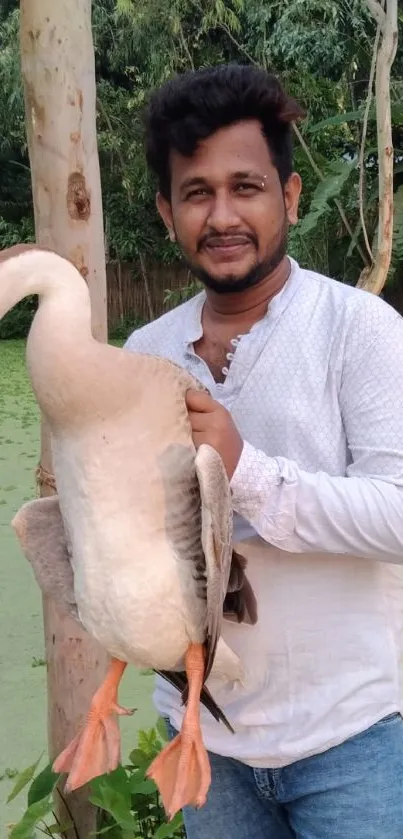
<point>58,71</point>
<point>374,278</point>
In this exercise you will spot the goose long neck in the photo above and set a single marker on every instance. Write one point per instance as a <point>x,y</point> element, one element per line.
<point>64,300</point>
<point>60,340</point>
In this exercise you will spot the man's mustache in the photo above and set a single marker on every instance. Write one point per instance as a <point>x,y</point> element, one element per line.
<point>215,240</point>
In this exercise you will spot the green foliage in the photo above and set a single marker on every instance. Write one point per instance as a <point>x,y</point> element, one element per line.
<point>338,173</point>
<point>16,222</point>
<point>177,296</point>
<point>17,322</point>
<point>23,779</point>
<point>128,803</point>
<point>38,662</point>
<point>123,329</point>
<point>312,35</point>
<point>396,268</point>
<point>398,226</point>
<point>322,50</point>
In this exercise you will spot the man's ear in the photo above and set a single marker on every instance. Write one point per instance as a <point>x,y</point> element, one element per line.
<point>292,192</point>
<point>165,210</point>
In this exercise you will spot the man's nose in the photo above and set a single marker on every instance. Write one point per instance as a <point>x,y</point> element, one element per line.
<point>223,215</point>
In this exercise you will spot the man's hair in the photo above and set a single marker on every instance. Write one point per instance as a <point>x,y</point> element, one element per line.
<point>193,106</point>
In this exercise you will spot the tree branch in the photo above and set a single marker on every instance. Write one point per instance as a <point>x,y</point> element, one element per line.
<point>232,38</point>
<point>375,279</point>
<point>238,45</point>
<point>377,12</point>
<point>185,46</point>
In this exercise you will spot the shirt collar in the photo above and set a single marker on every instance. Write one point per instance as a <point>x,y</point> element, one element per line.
<point>192,326</point>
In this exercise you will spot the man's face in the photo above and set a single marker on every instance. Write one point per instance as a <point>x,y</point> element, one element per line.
<point>228,210</point>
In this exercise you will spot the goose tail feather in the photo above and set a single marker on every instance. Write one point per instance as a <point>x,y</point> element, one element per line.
<point>180,682</point>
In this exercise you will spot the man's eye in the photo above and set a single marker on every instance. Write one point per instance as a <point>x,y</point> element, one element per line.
<point>243,187</point>
<point>196,193</point>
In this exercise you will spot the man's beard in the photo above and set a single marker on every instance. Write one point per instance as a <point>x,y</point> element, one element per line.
<point>256,274</point>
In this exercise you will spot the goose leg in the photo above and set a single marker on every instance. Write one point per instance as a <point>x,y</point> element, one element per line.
<point>96,748</point>
<point>182,770</point>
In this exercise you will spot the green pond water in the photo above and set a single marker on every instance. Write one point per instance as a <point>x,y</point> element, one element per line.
<point>22,670</point>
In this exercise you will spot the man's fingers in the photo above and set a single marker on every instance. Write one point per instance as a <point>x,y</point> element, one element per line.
<point>198,439</point>
<point>198,421</point>
<point>197,400</point>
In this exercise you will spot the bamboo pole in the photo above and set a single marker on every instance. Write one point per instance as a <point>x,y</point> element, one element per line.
<point>57,62</point>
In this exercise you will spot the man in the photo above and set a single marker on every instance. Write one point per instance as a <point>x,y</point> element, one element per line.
<point>306,410</point>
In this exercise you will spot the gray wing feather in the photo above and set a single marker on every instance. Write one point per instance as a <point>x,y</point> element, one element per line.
<point>217,524</point>
<point>41,534</point>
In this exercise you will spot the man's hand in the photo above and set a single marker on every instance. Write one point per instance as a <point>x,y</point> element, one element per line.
<point>212,424</point>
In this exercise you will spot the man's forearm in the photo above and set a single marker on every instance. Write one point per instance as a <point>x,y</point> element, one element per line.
<point>304,512</point>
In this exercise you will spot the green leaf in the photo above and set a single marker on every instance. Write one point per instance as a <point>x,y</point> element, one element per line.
<point>141,771</point>
<point>32,816</point>
<point>338,173</point>
<point>23,779</point>
<point>112,793</point>
<point>142,740</point>
<point>339,119</point>
<point>43,785</point>
<point>162,729</point>
<point>115,804</point>
<point>355,116</point>
<point>309,222</point>
<point>142,787</point>
<point>148,742</point>
<point>137,757</point>
<point>117,780</point>
<point>165,831</point>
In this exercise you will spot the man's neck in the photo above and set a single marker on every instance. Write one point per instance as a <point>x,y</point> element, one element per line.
<point>227,315</point>
<point>247,307</point>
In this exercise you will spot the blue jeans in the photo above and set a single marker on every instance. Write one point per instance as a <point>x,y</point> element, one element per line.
<point>352,791</point>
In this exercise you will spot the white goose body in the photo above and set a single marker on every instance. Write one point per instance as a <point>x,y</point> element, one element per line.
<point>137,543</point>
<point>135,563</point>
<point>148,522</point>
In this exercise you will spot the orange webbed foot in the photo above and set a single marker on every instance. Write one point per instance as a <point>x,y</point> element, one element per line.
<point>96,749</point>
<point>182,770</point>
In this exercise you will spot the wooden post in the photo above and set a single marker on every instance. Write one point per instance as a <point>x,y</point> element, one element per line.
<point>57,59</point>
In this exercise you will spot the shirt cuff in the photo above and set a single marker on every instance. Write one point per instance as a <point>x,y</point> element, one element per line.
<point>253,475</point>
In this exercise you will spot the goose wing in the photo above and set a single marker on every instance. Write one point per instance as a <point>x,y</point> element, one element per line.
<point>217,522</point>
<point>228,591</point>
<point>216,535</point>
<point>40,531</point>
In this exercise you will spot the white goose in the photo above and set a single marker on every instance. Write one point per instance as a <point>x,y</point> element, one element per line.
<point>137,544</point>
